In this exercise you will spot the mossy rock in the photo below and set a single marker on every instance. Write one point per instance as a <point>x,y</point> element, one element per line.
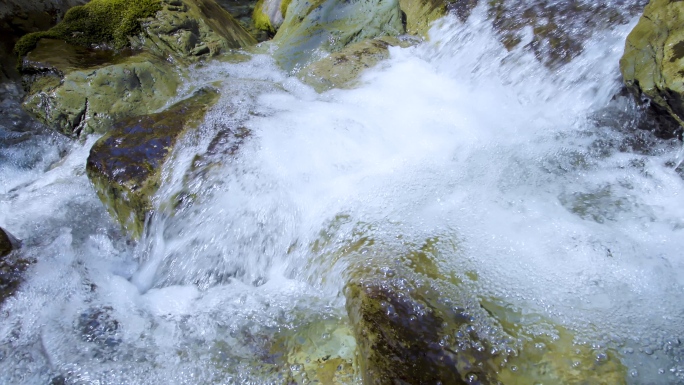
<point>653,62</point>
<point>183,29</point>
<point>7,242</point>
<point>125,165</point>
<point>269,14</point>
<point>330,25</point>
<point>109,22</point>
<point>421,13</point>
<point>342,69</point>
<point>91,100</point>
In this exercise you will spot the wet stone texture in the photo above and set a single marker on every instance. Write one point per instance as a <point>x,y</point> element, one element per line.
<point>11,265</point>
<point>402,337</point>
<point>653,60</point>
<point>125,164</point>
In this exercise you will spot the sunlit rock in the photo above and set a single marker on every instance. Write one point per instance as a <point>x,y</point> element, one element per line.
<point>125,164</point>
<point>330,25</point>
<point>77,101</point>
<point>421,13</point>
<point>653,62</point>
<point>269,14</point>
<point>342,69</point>
<point>84,74</point>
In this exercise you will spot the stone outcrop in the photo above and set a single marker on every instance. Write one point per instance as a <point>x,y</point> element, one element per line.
<point>76,89</point>
<point>125,164</point>
<point>653,62</point>
<point>77,101</point>
<point>329,25</point>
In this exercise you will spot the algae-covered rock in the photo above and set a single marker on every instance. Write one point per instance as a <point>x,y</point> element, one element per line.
<point>125,164</point>
<point>421,13</point>
<point>331,25</point>
<point>179,28</point>
<point>7,242</point>
<point>653,61</point>
<point>90,100</point>
<point>342,69</point>
<point>269,14</point>
<point>188,29</point>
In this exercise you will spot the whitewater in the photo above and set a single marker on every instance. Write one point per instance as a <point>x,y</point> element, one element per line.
<point>530,185</point>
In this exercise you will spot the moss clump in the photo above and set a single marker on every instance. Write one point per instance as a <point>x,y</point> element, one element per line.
<point>261,20</point>
<point>109,22</point>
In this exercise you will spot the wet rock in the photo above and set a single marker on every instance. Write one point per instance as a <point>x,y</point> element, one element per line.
<point>555,30</point>
<point>12,266</point>
<point>654,57</point>
<point>243,12</point>
<point>191,29</point>
<point>7,242</point>
<point>342,69</point>
<point>80,101</point>
<point>420,14</point>
<point>79,85</point>
<point>269,14</point>
<point>19,17</point>
<point>329,25</point>
<point>405,336</point>
<point>125,164</point>
<point>182,28</point>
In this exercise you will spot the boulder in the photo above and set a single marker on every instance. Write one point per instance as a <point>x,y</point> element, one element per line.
<point>404,336</point>
<point>330,25</point>
<point>653,62</point>
<point>342,69</point>
<point>7,242</point>
<point>125,165</point>
<point>76,101</point>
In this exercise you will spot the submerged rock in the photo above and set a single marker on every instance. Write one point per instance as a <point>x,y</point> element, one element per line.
<point>405,337</point>
<point>653,62</point>
<point>342,69</point>
<point>331,25</point>
<point>125,165</point>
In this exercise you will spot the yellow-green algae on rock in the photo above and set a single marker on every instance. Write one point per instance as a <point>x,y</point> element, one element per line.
<point>125,165</point>
<point>109,22</point>
<point>653,62</point>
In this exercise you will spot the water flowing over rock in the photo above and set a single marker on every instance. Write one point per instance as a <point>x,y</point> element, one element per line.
<point>125,165</point>
<point>342,69</point>
<point>330,25</point>
<point>653,62</point>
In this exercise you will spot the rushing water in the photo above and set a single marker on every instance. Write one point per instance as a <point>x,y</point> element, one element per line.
<point>529,182</point>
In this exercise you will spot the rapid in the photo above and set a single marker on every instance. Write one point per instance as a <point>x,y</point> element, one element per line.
<point>531,185</point>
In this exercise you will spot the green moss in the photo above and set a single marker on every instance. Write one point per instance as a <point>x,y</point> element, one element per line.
<point>261,20</point>
<point>283,6</point>
<point>109,22</point>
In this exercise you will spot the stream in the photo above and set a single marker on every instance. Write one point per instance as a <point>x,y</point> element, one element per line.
<point>529,184</point>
